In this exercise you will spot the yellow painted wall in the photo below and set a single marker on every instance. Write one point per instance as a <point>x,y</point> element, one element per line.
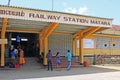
<point>99,51</point>
<point>88,52</point>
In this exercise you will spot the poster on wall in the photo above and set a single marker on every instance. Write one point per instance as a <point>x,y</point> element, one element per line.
<point>88,43</point>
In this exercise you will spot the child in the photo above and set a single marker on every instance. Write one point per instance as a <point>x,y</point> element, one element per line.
<point>13,56</point>
<point>57,61</point>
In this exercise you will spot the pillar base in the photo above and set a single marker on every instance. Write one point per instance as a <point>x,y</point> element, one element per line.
<point>45,66</point>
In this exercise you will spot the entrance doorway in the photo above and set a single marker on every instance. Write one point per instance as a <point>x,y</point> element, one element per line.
<point>27,42</point>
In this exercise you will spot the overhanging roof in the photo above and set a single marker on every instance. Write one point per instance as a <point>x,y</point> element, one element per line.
<point>114,31</point>
<point>15,25</point>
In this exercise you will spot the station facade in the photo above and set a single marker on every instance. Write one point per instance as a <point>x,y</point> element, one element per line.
<point>58,32</point>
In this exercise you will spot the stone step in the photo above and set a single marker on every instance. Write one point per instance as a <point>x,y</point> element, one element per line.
<point>64,62</point>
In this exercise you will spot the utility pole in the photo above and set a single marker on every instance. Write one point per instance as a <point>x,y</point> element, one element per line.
<point>8,2</point>
<point>52,4</point>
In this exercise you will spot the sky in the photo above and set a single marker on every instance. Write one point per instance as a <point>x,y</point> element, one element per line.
<point>98,8</point>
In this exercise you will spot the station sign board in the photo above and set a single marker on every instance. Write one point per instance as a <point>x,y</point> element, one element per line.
<point>52,16</point>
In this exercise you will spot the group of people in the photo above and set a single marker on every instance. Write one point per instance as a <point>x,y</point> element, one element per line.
<point>17,56</point>
<point>58,61</point>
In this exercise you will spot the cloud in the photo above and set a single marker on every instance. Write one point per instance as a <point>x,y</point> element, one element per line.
<point>71,10</point>
<point>81,10</point>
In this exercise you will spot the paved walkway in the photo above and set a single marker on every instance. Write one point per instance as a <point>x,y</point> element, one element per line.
<point>81,73</point>
<point>34,71</point>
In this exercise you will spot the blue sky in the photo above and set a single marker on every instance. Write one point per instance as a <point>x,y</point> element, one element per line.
<point>99,8</point>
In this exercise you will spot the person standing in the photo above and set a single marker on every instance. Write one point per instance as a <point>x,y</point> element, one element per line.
<point>69,58</point>
<point>16,54</point>
<point>49,60</point>
<point>58,61</point>
<point>21,60</point>
<point>13,56</point>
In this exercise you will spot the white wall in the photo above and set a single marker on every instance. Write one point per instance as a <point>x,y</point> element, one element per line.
<point>60,43</point>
